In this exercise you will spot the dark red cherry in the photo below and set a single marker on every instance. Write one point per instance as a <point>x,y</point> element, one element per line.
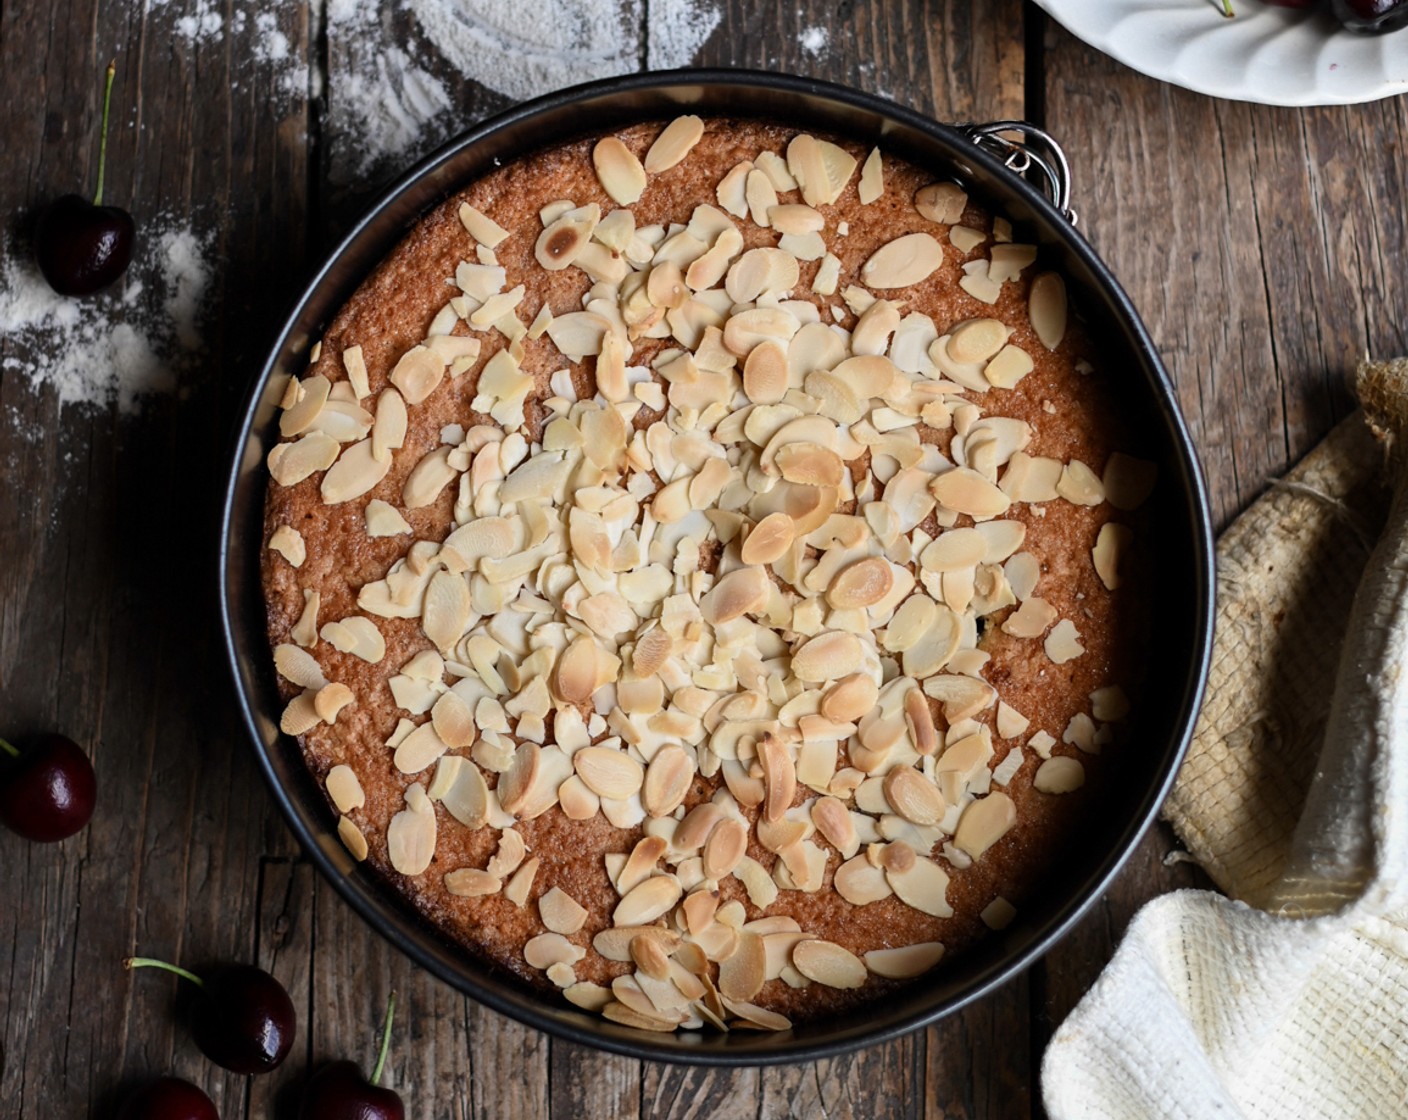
<point>242,1019</point>
<point>46,792</point>
<point>168,1098</point>
<point>84,246</point>
<point>1374,16</point>
<point>340,1092</point>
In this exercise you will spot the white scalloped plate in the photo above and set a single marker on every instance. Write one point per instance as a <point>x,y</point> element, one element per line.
<point>1267,54</point>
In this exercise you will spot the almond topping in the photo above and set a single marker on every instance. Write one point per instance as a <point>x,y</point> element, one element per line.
<point>1059,774</point>
<point>1046,305</point>
<point>330,700</point>
<point>647,901</point>
<point>560,912</point>
<point>903,262</point>
<point>741,976</point>
<point>765,373</point>
<point>726,846</point>
<point>290,463</point>
<point>769,539</point>
<point>621,175</point>
<point>742,591</point>
<point>977,340</point>
<point>828,963</point>
<point>779,776</point>
<point>833,821</point>
<point>575,677</point>
<point>914,797</point>
<point>984,823</point>
<point>941,202</point>
<point>905,962</point>
<point>410,837</point>
<point>674,143</point>
<point>1111,544</point>
<point>827,657</point>
<point>850,698</point>
<point>667,780</point>
<point>609,773</point>
<point>344,789</point>
<point>863,584</point>
<point>922,886</point>
<point>470,882</point>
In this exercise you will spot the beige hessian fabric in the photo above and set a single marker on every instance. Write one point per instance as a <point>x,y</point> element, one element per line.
<point>1292,1000</point>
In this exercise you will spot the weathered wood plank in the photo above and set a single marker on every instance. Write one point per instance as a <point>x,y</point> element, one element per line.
<point>510,1067</point>
<point>699,1093</point>
<point>980,1060</point>
<point>585,1082</point>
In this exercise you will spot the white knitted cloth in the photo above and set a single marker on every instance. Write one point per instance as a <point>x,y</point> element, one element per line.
<point>1292,1000</point>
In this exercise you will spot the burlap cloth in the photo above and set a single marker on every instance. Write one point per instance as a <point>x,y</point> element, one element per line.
<point>1290,997</point>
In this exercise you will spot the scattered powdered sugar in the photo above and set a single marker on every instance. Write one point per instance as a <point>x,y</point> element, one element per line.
<point>110,349</point>
<point>678,28</point>
<point>813,40</point>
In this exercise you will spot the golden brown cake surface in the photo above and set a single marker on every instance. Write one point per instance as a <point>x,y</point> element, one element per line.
<point>906,434</point>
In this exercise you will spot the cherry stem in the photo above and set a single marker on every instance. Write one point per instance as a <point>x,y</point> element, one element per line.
<point>12,751</point>
<point>385,1039</point>
<point>1227,9</point>
<point>149,962</point>
<point>103,143</point>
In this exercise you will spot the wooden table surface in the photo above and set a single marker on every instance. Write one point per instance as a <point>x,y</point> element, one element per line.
<point>1264,248</point>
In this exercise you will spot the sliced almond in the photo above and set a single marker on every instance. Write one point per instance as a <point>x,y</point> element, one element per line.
<point>1046,305</point>
<point>418,373</point>
<point>850,698</point>
<point>1031,619</point>
<point>809,464</point>
<point>977,340</point>
<point>516,783</point>
<point>726,846</point>
<point>914,797</point>
<point>575,675</point>
<point>667,780</point>
<point>863,584</point>
<point>290,463</point>
<point>860,882</point>
<point>742,591</point>
<point>609,773</point>
<point>765,373</point>
<point>620,172</point>
<point>312,396</point>
<point>288,543</point>
<point>742,975</point>
<point>352,838</point>
<point>833,821</point>
<point>356,367</point>
<point>923,885</point>
<point>330,700</point>
<point>827,657</point>
<point>872,178</point>
<point>1063,643</point>
<point>428,478</point>
<point>482,228</point>
<point>985,822</point>
<point>1007,367</point>
<point>964,490</point>
<point>548,949</point>
<point>1059,774</point>
<point>769,539</point>
<point>647,901</point>
<point>941,202</point>
<point>517,888</point>
<point>344,789</point>
<point>560,912</point>
<point>299,666</point>
<point>779,776</point>
<point>905,962</point>
<point>828,963</point>
<point>674,143</point>
<point>903,262</point>
<point>410,837</point>
<point>470,882</point>
<point>1111,544</point>
<point>447,609</point>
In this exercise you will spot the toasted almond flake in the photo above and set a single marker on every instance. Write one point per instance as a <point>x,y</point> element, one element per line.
<point>1063,643</point>
<point>809,464</point>
<point>731,190</point>
<point>1031,619</point>
<point>344,788</point>
<point>548,949</point>
<point>674,143</point>
<point>1128,482</point>
<point>419,749</point>
<point>290,463</point>
<point>298,666</point>
<point>588,996</point>
<point>985,822</point>
<point>923,885</point>
<point>779,776</point>
<point>1008,367</point>
<point>650,956</point>
<point>906,961</point>
<point>827,657</point>
<point>742,591</point>
<point>311,397</point>
<point>941,202</point>
<point>300,716</point>
<point>862,584</point>
<point>653,649</point>
<point>914,797</point>
<point>428,478</point>
<point>418,373</point>
<point>964,490</point>
<point>998,914</point>
<point>667,780</point>
<point>796,219</point>
<point>742,975</point>
<point>354,473</point>
<point>977,340</point>
<point>288,543</point>
<point>410,837</point>
<point>1059,774</point>
<point>822,169</point>
<point>482,228</point>
<point>453,721</point>
<point>1046,305</point>
<point>1080,485</point>
<point>725,848</point>
<point>833,820</point>
<point>305,630</point>
<point>765,373</point>
<point>352,838</point>
<point>356,367</point>
<point>620,172</point>
<point>903,262</point>
<point>850,698</point>
<point>560,912</point>
<point>828,963</point>
<point>769,539</point>
<point>872,178</point>
<point>629,1017</point>
<point>516,891</point>
<point>609,773</point>
<point>470,882</point>
<point>965,239</point>
<point>516,783</point>
<point>575,676</point>
<point>447,609</point>
<point>761,197</point>
<point>1111,545</point>
<point>330,700</point>
<point>647,901</point>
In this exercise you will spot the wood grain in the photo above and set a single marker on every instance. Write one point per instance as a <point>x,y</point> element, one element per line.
<point>1263,247</point>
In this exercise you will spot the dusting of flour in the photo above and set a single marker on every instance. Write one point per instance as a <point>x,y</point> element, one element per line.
<point>113,349</point>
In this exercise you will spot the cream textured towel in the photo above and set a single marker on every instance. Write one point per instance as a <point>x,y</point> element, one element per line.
<point>1292,1000</point>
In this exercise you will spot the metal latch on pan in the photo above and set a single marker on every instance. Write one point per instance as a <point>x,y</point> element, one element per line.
<point>1031,148</point>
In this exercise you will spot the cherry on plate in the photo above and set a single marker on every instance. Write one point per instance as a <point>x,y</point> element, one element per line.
<point>47,792</point>
<point>338,1091</point>
<point>1373,16</point>
<point>243,1019</point>
<point>168,1098</point>
<point>84,246</point>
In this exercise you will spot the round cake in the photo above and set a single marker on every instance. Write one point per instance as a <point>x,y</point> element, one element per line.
<point>703,565</point>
